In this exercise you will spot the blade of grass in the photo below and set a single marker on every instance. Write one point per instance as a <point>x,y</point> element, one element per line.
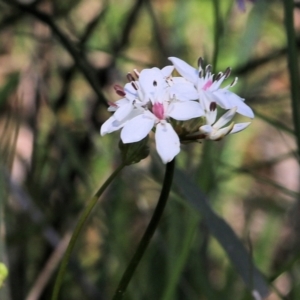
<point>277,124</point>
<point>180,261</point>
<point>81,222</point>
<point>224,234</point>
<point>8,143</point>
<point>293,66</point>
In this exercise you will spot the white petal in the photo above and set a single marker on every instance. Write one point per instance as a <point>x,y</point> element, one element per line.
<point>216,84</point>
<point>218,134</point>
<point>137,128</point>
<point>123,111</point>
<point>183,91</point>
<point>205,99</point>
<point>110,125</point>
<point>180,80</point>
<point>226,118</point>
<point>167,71</point>
<point>167,142</point>
<point>185,70</point>
<point>151,80</point>
<point>206,129</point>
<point>130,91</point>
<point>239,127</point>
<point>211,116</point>
<point>161,96</point>
<point>183,111</point>
<point>228,100</point>
<point>122,102</point>
<point>135,112</point>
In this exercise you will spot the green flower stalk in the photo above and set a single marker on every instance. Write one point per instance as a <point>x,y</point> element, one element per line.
<point>131,154</point>
<point>82,219</point>
<point>162,201</point>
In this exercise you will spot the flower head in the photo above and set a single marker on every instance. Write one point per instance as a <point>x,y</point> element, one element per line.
<point>153,107</point>
<point>177,109</point>
<point>208,87</point>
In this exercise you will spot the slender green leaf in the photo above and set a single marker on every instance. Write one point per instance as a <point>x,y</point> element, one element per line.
<point>224,234</point>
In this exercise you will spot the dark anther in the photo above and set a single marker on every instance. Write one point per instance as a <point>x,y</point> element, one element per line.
<point>154,83</point>
<point>200,63</point>
<point>119,90</point>
<point>208,69</point>
<point>213,106</point>
<point>135,86</point>
<point>220,74</point>
<point>227,72</point>
<point>130,77</point>
<point>200,73</point>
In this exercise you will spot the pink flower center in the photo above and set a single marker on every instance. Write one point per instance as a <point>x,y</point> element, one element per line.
<point>158,110</point>
<point>207,85</point>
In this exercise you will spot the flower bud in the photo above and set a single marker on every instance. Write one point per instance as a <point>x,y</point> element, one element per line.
<point>132,153</point>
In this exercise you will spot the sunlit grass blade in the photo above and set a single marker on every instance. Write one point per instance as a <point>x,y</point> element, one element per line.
<point>179,263</point>
<point>279,125</point>
<point>293,66</point>
<point>224,234</point>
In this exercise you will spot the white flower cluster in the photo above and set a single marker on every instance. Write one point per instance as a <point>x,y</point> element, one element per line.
<point>154,100</point>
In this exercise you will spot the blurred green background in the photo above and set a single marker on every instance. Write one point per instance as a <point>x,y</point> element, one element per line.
<point>59,61</point>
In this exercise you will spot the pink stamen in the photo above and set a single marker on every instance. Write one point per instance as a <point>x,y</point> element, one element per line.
<point>119,90</point>
<point>158,110</point>
<point>112,104</point>
<point>207,85</point>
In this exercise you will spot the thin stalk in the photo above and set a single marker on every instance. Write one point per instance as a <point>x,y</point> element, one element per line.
<point>293,66</point>
<point>162,201</point>
<point>217,32</point>
<point>84,216</point>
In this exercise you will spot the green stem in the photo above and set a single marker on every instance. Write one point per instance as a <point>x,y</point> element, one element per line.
<point>148,233</point>
<point>84,216</point>
<point>217,32</point>
<point>293,66</point>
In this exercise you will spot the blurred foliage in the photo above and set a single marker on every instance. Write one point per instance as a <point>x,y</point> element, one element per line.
<point>58,63</point>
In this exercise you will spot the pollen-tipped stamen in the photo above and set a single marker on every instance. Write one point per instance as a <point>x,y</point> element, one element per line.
<point>134,85</point>
<point>119,90</point>
<point>233,83</point>
<point>227,72</point>
<point>220,74</point>
<point>200,63</point>
<point>130,77</point>
<point>208,69</point>
<point>137,73</point>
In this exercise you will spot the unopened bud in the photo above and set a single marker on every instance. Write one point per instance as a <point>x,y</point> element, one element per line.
<point>133,153</point>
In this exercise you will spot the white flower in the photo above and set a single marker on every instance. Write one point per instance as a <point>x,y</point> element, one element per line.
<point>153,103</point>
<point>136,95</point>
<point>208,87</point>
<point>161,109</point>
<point>213,130</point>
